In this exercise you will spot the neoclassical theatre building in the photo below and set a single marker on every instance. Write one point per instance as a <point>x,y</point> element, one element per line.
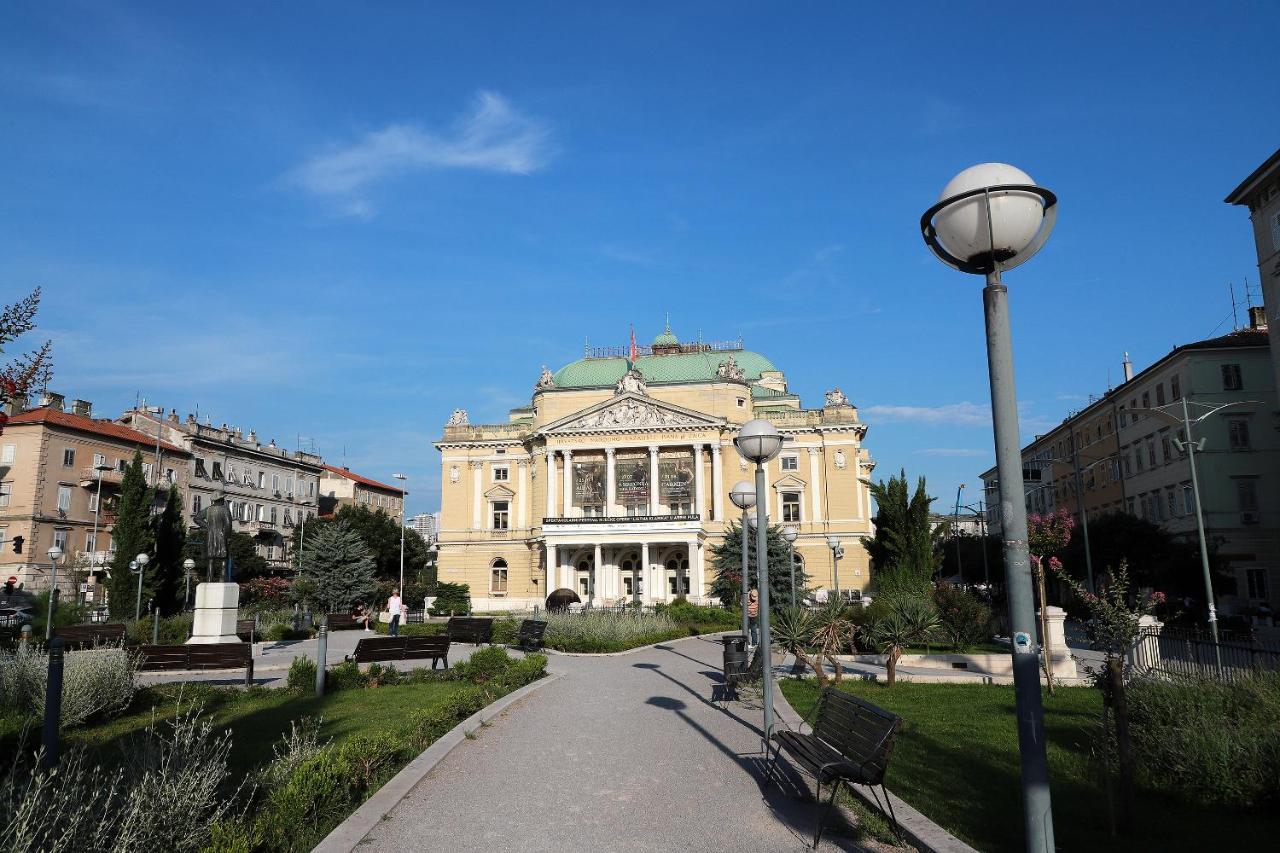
<point>619,470</point>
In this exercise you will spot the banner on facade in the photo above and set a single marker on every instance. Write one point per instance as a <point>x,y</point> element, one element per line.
<point>675,480</point>
<point>588,483</point>
<point>633,480</point>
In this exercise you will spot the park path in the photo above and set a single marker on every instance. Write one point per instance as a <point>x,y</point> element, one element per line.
<point>620,753</point>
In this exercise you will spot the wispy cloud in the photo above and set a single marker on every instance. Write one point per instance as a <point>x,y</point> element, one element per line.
<point>967,414</point>
<point>492,136</point>
<point>951,451</point>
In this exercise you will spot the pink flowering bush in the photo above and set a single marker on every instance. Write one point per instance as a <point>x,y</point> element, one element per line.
<point>1113,623</point>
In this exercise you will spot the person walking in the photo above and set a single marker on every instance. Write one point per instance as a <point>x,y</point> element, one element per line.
<point>753,613</point>
<point>395,607</point>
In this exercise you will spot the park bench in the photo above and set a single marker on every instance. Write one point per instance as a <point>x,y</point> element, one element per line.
<point>338,621</point>
<point>529,637</point>
<point>198,656</point>
<point>247,629</point>
<point>76,636</point>
<point>470,629</point>
<point>849,743</point>
<point>434,647</point>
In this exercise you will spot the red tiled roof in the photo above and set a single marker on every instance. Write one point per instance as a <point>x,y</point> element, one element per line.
<point>66,420</point>
<point>364,481</point>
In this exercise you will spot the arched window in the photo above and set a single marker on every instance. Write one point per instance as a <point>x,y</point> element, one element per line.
<point>498,577</point>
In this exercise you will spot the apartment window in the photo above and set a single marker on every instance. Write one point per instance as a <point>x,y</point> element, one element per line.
<point>261,512</point>
<point>1160,394</point>
<point>99,460</point>
<point>64,499</point>
<point>501,515</point>
<point>1151,453</point>
<point>3,531</point>
<point>1238,433</point>
<point>90,543</point>
<point>146,471</point>
<point>1188,499</point>
<point>1124,422</point>
<point>273,515</point>
<point>791,463</point>
<point>499,473</point>
<point>498,577</point>
<point>1247,498</point>
<point>742,402</point>
<point>6,455</point>
<point>311,488</point>
<point>68,457</point>
<point>200,471</point>
<point>170,475</point>
<point>275,482</point>
<point>60,539</point>
<point>1172,502</point>
<point>1231,379</point>
<point>790,507</point>
<point>1131,505</point>
<point>1165,448</point>
<point>1128,466</point>
<point>197,502</point>
<point>1256,580</point>
<point>262,479</point>
<point>122,465</point>
<point>93,502</point>
<point>288,517</point>
<point>1137,457</point>
<point>1146,399</point>
<point>217,470</point>
<point>1175,387</point>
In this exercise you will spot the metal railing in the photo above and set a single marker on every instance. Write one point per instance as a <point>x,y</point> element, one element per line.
<point>1171,651</point>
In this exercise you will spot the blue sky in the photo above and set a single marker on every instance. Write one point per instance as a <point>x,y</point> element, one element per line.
<point>344,220</point>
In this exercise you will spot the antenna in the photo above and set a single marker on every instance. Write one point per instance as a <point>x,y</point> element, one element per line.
<point>1248,297</point>
<point>1235,322</point>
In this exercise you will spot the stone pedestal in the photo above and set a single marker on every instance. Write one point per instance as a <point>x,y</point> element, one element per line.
<point>1062,664</point>
<point>217,605</point>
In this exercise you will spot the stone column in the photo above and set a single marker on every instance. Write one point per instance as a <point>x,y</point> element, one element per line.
<point>551,484</point>
<point>653,479</point>
<point>696,568</point>
<point>597,571</point>
<point>815,484</point>
<point>717,482</point>
<point>567,486</point>
<point>699,494</point>
<point>611,481</point>
<point>1058,655</point>
<point>477,521</point>
<point>553,563</point>
<point>646,571</point>
<point>522,493</point>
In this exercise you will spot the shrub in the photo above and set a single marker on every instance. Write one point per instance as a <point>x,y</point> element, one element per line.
<point>682,611</point>
<point>427,726</point>
<point>378,675</point>
<point>174,630</point>
<point>302,674</point>
<point>67,613</point>
<point>344,676</point>
<point>964,620</point>
<point>316,794</point>
<point>96,682</point>
<point>506,631</point>
<point>1209,742</point>
<point>371,754</point>
<point>484,665</point>
<point>451,598</point>
<point>607,631</point>
<point>302,743</point>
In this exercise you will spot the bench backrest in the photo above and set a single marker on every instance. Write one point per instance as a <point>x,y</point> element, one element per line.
<point>858,730</point>
<point>196,656</point>
<point>339,620</point>
<point>91,633</point>
<point>430,645</point>
<point>532,629</point>
<point>471,628</point>
<point>370,649</point>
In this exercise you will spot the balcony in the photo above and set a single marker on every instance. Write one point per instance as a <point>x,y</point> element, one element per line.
<point>110,477</point>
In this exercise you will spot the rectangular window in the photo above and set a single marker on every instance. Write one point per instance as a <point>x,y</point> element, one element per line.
<point>273,515</point>
<point>288,517</point>
<point>1238,433</point>
<point>64,499</point>
<point>1137,457</point>
<point>1124,419</point>
<point>217,470</point>
<point>93,502</point>
<point>146,471</point>
<point>1131,506</point>
<point>99,460</point>
<point>200,471</point>
<point>288,486</point>
<point>1188,499</point>
<point>68,457</point>
<point>499,473</point>
<point>122,465</point>
<point>1160,394</point>
<point>60,539</point>
<point>501,515</point>
<point>498,581</point>
<point>1231,378</point>
<point>90,544</point>
<point>1172,502</point>
<point>1257,583</point>
<point>275,482</point>
<point>1151,453</point>
<point>197,503</point>
<point>1175,387</point>
<point>1146,399</point>
<point>1166,450</point>
<point>170,475</point>
<point>790,507</point>
<point>261,512</point>
<point>231,473</point>
<point>1247,497</point>
<point>791,463</point>
<point>262,479</point>
<point>6,455</point>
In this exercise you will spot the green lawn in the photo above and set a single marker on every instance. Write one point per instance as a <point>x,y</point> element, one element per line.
<point>956,760</point>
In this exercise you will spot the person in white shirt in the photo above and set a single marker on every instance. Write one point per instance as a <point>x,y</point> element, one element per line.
<point>395,607</point>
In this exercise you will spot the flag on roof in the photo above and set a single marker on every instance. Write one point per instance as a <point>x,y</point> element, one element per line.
<point>633,353</point>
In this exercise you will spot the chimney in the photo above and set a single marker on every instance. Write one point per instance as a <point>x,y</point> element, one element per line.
<point>1257,318</point>
<point>15,405</point>
<point>52,400</point>
<point>82,407</point>
<point>1128,368</point>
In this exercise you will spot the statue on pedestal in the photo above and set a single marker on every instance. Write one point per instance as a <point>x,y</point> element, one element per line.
<point>215,519</point>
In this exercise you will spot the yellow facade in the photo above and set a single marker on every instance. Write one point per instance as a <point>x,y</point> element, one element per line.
<point>596,487</point>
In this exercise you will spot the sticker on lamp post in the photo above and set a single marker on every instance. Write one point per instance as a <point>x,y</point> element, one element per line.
<point>1022,644</point>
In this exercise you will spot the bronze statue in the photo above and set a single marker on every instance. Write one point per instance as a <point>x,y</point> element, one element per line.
<point>215,519</point>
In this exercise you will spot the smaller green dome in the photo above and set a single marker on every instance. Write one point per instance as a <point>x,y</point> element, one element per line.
<point>666,339</point>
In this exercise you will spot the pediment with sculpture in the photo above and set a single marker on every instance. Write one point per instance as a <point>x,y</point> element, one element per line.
<point>631,411</point>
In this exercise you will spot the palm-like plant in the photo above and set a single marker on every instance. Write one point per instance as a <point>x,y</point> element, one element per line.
<point>793,630</point>
<point>832,633</point>
<point>910,621</point>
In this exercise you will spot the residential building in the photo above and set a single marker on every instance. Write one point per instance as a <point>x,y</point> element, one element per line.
<point>60,476</point>
<point>1260,192</point>
<point>618,473</point>
<point>426,523</point>
<point>967,523</point>
<point>1238,468</point>
<point>268,489</point>
<point>341,487</point>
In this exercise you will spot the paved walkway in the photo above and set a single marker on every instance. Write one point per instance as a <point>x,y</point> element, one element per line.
<point>623,753</point>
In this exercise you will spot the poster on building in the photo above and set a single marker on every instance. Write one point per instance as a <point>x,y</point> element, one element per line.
<point>633,480</point>
<point>675,480</point>
<point>588,483</point>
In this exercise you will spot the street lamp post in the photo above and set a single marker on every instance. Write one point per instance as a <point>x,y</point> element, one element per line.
<point>55,554</point>
<point>837,551</point>
<point>401,478</point>
<point>743,496</point>
<point>187,566</point>
<point>139,565</point>
<point>990,218</point>
<point>97,511</point>
<point>790,534</point>
<point>758,441</point>
<point>959,564</point>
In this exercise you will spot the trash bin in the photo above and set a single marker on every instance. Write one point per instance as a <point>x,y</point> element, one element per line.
<point>735,641</point>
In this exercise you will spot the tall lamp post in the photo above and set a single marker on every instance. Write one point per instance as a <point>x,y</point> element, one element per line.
<point>139,565</point>
<point>989,218</point>
<point>758,441</point>
<point>790,534</point>
<point>401,478</point>
<point>97,511</point>
<point>837,551</point>
<point>743,496</point>
<point>959,564</point>
<point>1192,447</point>
<point>187,566</point>
<point>55,554</point>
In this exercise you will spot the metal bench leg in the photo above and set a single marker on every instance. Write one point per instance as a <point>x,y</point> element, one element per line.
<point>826,810</point>
<point>888,808</point>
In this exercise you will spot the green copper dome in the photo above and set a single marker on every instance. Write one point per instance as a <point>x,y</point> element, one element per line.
<point>657,369</point>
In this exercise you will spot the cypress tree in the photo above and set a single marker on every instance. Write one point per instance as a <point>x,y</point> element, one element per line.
<point>131,534</point>
<point>726,563</point>
<point>904,551</point>
<point>171,536</point>
<point>339,568</point>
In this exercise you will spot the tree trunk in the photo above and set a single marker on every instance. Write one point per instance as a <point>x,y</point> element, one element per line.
<point>1044,632</point>
<point>1124,745</point>
<point>891,664</point>
<point>814,663</point>
<point>838,673</point>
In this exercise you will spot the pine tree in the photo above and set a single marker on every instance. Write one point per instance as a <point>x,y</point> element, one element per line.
<point>904,551</point>
<point>726,563</point>
<point>339,568</point>
<point>171,536</point>
<point>131,534</point>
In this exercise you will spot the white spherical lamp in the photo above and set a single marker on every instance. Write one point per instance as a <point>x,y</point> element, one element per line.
<point>743,495</point>
<point>758,441</point>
